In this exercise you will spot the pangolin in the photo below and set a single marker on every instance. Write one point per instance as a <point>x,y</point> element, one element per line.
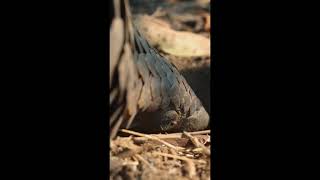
<point>144,83</point>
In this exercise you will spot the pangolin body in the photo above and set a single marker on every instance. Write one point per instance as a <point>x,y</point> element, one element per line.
<point>144,82</point>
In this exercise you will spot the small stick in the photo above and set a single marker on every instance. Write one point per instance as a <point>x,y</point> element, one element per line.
<point>178,157</point>
<point>179,135</point>
<point>196,142</point>
<point>169,136</point>
<point>153,138</point>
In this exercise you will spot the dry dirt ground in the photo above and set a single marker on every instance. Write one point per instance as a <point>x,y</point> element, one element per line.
<point>161,156</point>
<point>170,156</point>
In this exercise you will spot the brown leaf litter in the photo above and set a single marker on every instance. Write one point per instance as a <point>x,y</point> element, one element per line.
<point>161,156</point>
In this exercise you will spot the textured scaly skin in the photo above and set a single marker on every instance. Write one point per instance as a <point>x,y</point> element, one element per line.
<point>143,81</point>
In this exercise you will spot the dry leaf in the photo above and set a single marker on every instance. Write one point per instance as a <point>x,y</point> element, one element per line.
<point>178,43</point>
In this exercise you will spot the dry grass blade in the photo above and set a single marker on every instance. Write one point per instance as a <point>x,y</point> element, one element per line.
<point>179,157</point>
<point>152,138</point>
<point>180,135</point>
<point>176,139</point>
<point>195,141</point>
<point>173,135</point>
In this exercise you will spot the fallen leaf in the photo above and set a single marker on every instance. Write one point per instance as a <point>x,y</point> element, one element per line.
<point>178,43</point>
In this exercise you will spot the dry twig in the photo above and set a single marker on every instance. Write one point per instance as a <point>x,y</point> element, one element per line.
<point>152,138</point>
<point>196,142</point>
<point>179,157</point>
